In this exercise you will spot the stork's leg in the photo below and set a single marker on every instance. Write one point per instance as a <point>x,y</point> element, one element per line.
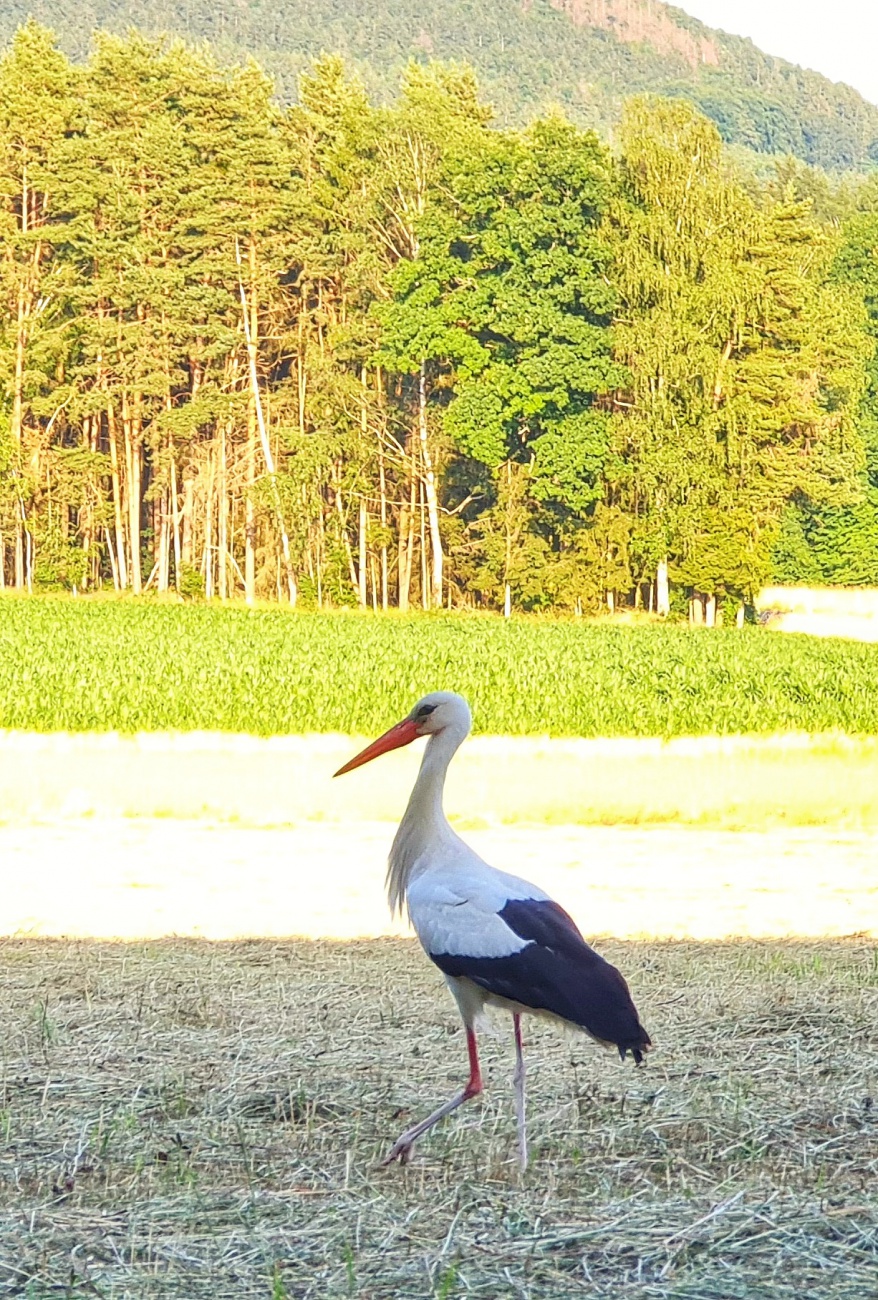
<point>402,1147</point>
<point>518,1080</point>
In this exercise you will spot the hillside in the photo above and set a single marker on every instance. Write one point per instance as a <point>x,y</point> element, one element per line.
<point>584,55</point>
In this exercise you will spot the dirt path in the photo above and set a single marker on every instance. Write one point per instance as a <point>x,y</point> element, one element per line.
<point>142,878</point>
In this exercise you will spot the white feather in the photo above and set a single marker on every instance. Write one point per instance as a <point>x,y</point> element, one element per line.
<point>457,912</point>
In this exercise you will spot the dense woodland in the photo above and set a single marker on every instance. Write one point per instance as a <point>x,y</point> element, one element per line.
<point>338,353</point>
<point>585,56</point>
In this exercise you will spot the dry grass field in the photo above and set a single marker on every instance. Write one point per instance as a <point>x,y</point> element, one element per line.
<point>203,1118</point>
<point>194,1120</point>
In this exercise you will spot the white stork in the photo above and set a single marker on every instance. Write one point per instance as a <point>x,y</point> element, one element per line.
<point>498,940</point>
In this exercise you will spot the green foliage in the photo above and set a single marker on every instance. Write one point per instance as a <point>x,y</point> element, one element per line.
<point>85,665</point>
<point>396,355</point>
<point>528,58</point>
<point>508,295</point>
<point>748,369</point>
<point>838,543</point>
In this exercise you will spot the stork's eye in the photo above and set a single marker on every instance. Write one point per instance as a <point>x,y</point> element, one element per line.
<point>425,710</point>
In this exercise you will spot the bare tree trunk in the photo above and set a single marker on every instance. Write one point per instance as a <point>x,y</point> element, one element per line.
<point>383,484</point>
<point>85,514</point>
<point>208,531</point>
<point>710,610</point>
<point>223,542</point>
<point>662,589</point>
<point>175,506</point>
<point>301,373</point>
<point>133,475</point>
<point>187,548</point>
<point>16,430</point>
<point>425,577</point>
<point>163,578</point>
<point>250,318</point>
<point>739,616</point>
<point>113,565</point>
<point>430,492</point>
<point>696,609</point>
<point>122,568</point>
<point>321,551</point>
<point>407,552</point>
<point>362,593</point>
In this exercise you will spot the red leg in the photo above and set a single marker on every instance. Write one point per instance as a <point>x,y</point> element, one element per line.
<point>474,1086</point>
<point>402,1147</point>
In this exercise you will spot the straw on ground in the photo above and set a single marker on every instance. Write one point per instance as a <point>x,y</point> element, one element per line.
<point>203,1122</point>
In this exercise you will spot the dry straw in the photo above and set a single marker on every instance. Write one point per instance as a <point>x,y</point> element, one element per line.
<point>182,1119</point>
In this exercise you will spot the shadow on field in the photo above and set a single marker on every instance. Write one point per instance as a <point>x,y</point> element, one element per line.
<point>194,1119</point>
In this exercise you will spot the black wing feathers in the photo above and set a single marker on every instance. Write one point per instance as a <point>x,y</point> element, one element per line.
<point>556,971</point>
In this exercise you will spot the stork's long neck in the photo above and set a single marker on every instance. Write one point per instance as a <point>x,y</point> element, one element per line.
<point>424,824</point>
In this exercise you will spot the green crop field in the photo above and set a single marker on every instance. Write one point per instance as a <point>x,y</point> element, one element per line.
<point>96,666</point>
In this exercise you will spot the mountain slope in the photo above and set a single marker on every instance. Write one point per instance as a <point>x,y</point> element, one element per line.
<point>584,55</point>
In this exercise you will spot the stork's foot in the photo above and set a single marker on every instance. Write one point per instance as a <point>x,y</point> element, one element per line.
<point>401,1150</point>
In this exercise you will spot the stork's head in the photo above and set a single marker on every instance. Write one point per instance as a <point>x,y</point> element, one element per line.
<point>441,711</point>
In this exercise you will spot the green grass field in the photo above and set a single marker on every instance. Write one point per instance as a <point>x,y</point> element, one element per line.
<point>104,665</point>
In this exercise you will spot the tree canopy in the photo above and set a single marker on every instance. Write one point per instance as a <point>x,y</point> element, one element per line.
<point>347,352</point>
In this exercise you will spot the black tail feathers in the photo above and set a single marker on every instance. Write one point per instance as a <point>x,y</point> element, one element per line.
<point>637,1049</point>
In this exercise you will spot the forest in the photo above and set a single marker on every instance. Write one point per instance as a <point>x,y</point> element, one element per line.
<point>343,353</point>
<point>584,56</point>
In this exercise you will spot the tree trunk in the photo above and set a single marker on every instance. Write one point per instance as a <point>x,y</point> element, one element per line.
<point>696,609</point>
<point>383,485</point>
<point>133,475</point>
<point>362,594</point>
<point>425,576</point>
<point>16,431</point>
<point>223,538</point>
<point>208,532</point>
<point>430,493</point>
<point>114,569</point>
<point>187,548</point>
<point>249,507</point>
<point>251,322</point>
<point>163,578</point>
<point>175,508</point>
<point>662,590</point>
<point>121,564</point>
<point>710,610</point>
<point>739,616</point>
<point>407,547</point>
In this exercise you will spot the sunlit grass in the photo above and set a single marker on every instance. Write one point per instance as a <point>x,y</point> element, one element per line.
<point>81,666</point>
<point>733,783</point>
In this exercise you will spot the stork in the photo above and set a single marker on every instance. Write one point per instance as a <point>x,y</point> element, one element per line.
<point>498,940</point>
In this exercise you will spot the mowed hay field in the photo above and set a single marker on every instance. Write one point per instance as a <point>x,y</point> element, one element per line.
<point>207,1120</point>
<point>186,1118</point>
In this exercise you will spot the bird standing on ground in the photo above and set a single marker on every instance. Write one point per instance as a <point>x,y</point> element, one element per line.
<point>498,940</point>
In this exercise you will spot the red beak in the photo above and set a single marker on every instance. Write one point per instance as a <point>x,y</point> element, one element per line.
<point>403,733</point>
